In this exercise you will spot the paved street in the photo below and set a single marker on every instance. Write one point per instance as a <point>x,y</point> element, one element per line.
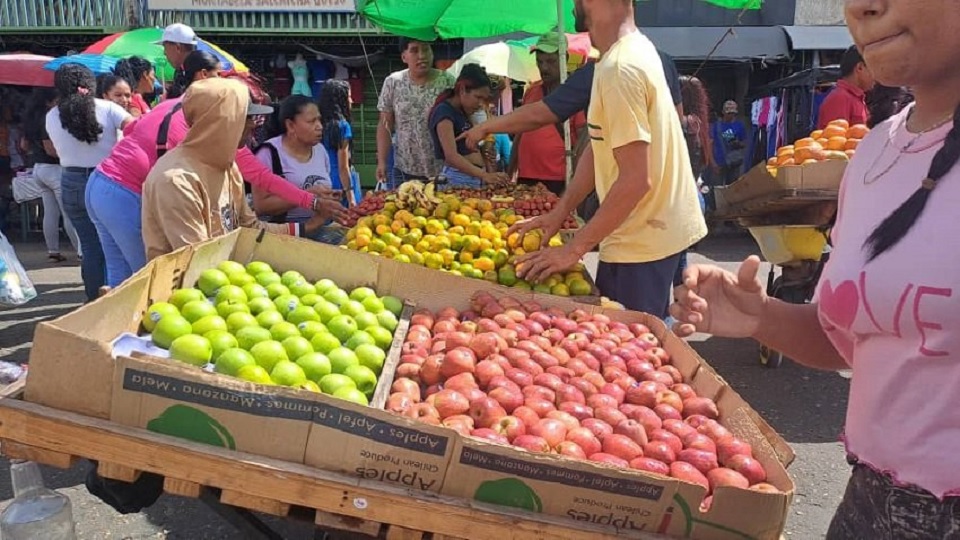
<point>805,406</point>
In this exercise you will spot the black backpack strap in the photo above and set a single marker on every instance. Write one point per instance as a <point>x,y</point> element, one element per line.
<point>164,130</point>
<point>277,167</point>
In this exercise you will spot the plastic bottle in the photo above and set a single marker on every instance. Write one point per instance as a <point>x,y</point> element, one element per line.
<point>35,512</point>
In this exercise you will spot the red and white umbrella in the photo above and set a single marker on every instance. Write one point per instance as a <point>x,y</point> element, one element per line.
<point>25,69</point>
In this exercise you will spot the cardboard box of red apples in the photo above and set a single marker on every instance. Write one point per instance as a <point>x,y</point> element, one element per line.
<point>601,417</point>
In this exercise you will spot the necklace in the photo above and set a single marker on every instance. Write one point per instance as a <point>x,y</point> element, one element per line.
<point>902,151</point>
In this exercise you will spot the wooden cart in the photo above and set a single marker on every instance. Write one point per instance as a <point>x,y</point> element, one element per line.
<point>354,507</point>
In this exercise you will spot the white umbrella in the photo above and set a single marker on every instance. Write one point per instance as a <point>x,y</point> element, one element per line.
<point>511,61</point>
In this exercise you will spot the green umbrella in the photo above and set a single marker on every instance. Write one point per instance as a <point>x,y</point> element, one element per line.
<point>445,19</point>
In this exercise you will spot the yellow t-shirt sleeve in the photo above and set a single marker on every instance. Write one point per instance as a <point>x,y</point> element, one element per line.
<point>626,107</point>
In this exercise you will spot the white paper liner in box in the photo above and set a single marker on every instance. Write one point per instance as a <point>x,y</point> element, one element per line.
<point>128,343</point>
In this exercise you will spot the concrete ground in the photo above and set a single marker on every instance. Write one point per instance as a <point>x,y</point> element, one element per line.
<point>805,406</point>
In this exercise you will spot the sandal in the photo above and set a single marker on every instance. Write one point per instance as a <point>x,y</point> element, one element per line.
<point>56,257</point>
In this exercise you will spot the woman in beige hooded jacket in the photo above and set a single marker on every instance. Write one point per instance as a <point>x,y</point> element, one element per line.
<point>195,191</point>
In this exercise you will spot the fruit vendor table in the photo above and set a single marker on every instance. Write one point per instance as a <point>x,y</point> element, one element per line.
<point>332,501</point>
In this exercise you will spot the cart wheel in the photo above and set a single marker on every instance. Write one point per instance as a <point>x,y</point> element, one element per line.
<point>770,358</point>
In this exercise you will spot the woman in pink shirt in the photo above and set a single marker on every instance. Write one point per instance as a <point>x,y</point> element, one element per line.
<point>888,303</point>
<point>115,187</point>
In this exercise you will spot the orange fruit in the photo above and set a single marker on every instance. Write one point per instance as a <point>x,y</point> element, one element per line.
<point>803,143</point>
<point>836,143</point>
<point>787,162</point>
<point>816,134</point>
<point>858,131</point>
<point>823,141</point>
<point>772,162</point>
<point>814,151</point>
<point>851,144</point>
<point>782,160</point>
<point>834,130</point>
<point>839,122</point>
<point>788,149</point>
<point>809,161</point>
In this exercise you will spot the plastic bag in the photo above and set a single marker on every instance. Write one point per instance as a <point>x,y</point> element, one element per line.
<point>16,288</point>
<point>26,187</point>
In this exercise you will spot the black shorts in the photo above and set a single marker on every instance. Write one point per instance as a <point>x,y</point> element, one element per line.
<point>645,287</point>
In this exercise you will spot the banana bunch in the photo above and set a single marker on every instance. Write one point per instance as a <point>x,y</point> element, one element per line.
<point>417,194</point>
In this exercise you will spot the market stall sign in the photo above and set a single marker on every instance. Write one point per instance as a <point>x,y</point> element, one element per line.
<point>253,5</point>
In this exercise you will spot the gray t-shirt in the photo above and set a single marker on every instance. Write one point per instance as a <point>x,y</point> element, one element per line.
<point>303,175</point>
<point>411,104</point>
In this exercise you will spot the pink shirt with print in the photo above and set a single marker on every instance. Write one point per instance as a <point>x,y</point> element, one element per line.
<point>134,156</point>
<point>896,320</point>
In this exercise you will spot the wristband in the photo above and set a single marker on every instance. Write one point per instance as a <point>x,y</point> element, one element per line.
<point>315,204</point>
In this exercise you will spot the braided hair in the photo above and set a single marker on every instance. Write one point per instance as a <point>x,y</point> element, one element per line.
<point>194,63</point>
<point>75,86</point>
<point>334,107</point>
<point>132,70</point>
<point>898,224</point>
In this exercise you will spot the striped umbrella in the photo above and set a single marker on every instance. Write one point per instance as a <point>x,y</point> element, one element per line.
<point>25,69</point>
<point>98,63</point>
<point>145,42</point>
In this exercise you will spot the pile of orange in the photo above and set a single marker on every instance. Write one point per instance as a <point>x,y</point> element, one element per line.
<point>837,141</point>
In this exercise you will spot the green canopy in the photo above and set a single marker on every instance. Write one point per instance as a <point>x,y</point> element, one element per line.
<point>446,19</point>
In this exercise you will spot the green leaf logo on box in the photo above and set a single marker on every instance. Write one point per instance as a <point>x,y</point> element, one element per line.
<point>509,492</point>
<point>192,424</point>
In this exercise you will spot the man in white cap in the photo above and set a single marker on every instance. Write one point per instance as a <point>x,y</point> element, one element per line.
<point>178,41</point>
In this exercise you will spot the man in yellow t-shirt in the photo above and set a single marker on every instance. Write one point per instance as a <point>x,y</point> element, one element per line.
<point>638,163</point>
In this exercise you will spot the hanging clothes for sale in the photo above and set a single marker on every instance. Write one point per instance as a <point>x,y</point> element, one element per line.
<point>321,69</point>
<point>356,87</point>
<point>301,77</point>
<point>282,78</point>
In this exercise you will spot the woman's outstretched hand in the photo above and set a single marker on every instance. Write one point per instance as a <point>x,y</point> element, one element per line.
<point>715,301</point>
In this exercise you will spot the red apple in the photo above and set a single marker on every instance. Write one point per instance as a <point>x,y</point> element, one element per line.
<point>602,400</point>
<point>638,329</point>
<point>528,365</point>
<point>599,428</point>
<point>688,473</point>
<point>609,415</point>
<point>621,446</point>
<point>703,406</point>
<point>584,386</point>
<point>568,393</point>
<point>673,372</point>
<point>671,439</point>
<point>520,377</point>
<point>540,392</point>
<point>460,423</point>
<point>510,427</point>
<point>461,382</point>
<point>540,406</point>
<point>489,435</point>
<point>486,412</point>
<point>430,370</point>
<point>699,442</point>
<point>486,370</point>
<point>678,428</point>
<point>527,415</point>
<point>726,477</point>
<point>578,367</point>
<point>644,393</point>
<point>615,391</point>
<point>445,326</point>
<point>696,420</point>
<point>660,354</point>
<point>545,359</point>
<point>632,429</point>
<point>569,421</point>
<point>409,371</point>
<point>577,410</point>
<point>532,443</point>
<point>609,459</point>
<point>647,417</point>
<point>685,391</point>
<point>514,354</point>
<point>548,380</point>
<point>658,376</point>
<point>585,439</point>
<point>457,361</point>
<point>473,394</point>
<point>701,459</point>
<point>450,403</point>
<point>627,354</point>
<point>666,412</point>
<point>398,403</point>
<point>508,398</point>
<point>637,368</point>
<point>551,430</point>
<point>408,387</point>
<point>764,487</point>
<point>660,450</point>
<point>625,382</point>
<point>595,379</point>
<point>649,464</point>
<point>730,446</point>
<point>748,467</point>
<point>422,317</point>
<point>424,412</point>
<point>565,374</point>
<point>598,352</point>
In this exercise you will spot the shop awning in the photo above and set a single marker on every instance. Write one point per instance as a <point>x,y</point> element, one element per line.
<point>819,38</point>
<point>743,43</point>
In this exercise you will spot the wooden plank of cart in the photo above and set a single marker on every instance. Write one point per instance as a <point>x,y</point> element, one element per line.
<point>332,501</point>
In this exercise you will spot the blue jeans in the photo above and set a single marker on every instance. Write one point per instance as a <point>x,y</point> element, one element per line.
<point>456,178</point>
<point>73,189</point>
<point>115,212</point>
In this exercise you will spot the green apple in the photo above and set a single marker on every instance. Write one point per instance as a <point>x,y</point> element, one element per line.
<point>382,336</point>
<point>366,320</point>
<point>352,308</point>
<point>231,361</point>
<point>209,324</point>
<point>169,329</point>
<point>302,288</point>
<point>191,349</point>
<point>315,365</point>
<point>269,278</point>
<point>268,354</point>
<point>310,299</point>
<point>335,381</point>
<point>287,373</point>
<point>341,358</point>
<point>254,291</point>
<point>325,285</point>
<point>310,386</point>
<point>198,309</point>
<point>276,289</point>
<point>291,277</point>
<point>232,294</point>
<point>388,320</point>
<point>336,296</point>
<point>308,329</point>
<point>283,330</point>
<point>255,268</point>
<point>371,357</point>
<point>363,377</point>
<point>228,307</point>
<point>211,280</point>
<point>242,279</point>
<point>269,319</point>
<point>393,304</point>
<point>326,310</point>
<point>303,313</point>
<point>157,311</point>
<point>362,293</point>
<point>180,297</point>
<point>259,305</point>
<point>286,303</point>
<point>229,267</point>
<point>343,327</point>
<point>324,342</point>
<point>358,338</point>
<point>254,374</point>
<point>221,340</point>
<point>248,336</point>
<point>353,395</point>
<point>297,346</point>
<point>238,320</point>
<point>373,304</point>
